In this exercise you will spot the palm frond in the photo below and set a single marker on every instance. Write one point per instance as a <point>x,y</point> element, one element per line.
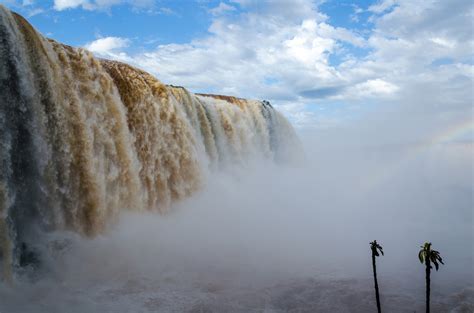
<point>421,256</point>
<point>375,247</point>
<point>431,256</point>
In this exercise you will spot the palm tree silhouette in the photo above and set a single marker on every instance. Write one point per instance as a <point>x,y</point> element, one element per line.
<point>428,256</point>
<point>375,247</point>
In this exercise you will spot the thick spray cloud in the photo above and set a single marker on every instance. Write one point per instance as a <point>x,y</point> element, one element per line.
<point>276,238</point>
<point>273,226</point>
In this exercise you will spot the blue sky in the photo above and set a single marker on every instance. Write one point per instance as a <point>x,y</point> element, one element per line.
<point>151,23</point>
<point>174,22</point>
<point>322,63</point>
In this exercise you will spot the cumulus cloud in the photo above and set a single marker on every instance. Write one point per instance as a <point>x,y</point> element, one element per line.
<point>109,47</point>
<point>257,54</point>
<point>284,51</point>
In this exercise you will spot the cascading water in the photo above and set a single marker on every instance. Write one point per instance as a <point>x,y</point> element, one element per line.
<point>82,139</point>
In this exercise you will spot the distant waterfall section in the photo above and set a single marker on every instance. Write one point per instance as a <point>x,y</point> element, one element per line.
<point>82,139</point>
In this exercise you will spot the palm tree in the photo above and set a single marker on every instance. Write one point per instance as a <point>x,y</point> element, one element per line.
<point>428,256</point>
<point>375,247</point>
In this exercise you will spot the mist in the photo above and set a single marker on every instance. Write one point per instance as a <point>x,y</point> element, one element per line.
<point>262,237</point>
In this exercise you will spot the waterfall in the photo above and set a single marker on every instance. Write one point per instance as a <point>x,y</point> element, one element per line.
<point>82,139</point>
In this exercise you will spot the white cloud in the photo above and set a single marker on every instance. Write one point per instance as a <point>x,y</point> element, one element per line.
<point>61,5</point>
<point>382,6</point>
<point>34,11</point>
<point>241,55</point>
<point>444,42</point>
<point>167,11</point>
<point>282,52</point>
<point>28,8</point>
<point>109,47</point>
<point>372,88</point>
<point>222,8</point>
<point>69,4</point>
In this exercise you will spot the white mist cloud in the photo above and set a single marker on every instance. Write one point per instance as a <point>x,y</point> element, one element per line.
<point>258,236</point>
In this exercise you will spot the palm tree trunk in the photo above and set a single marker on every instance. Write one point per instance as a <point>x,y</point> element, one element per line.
<point>377,297</point>
<point>428,273</point>
<point>6,252</point>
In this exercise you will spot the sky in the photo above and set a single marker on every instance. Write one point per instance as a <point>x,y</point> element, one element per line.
<point>322,63</point>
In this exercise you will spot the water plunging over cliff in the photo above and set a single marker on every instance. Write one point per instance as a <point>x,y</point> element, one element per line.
<point>82,139</point>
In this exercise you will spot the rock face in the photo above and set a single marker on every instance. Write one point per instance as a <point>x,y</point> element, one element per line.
<point>82,139</point>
